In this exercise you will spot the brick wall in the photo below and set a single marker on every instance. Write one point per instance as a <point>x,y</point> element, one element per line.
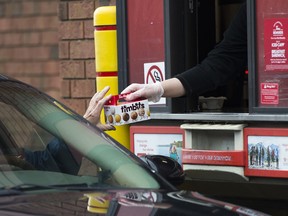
<point>49,44</point>
<point>29,42</point>
<point>76,51</point>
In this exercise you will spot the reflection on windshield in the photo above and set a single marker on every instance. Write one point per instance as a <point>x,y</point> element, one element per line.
<point>38,134</point>
<point>124,201</point>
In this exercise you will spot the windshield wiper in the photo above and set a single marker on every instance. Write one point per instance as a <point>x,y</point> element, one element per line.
<point>18,189</point>
<point>9,192</point>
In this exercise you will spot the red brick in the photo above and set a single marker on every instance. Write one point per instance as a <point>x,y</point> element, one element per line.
<point>13,67</point>
<point>65,88</point>
<point>81,9</point>
<point>72,69</point>
<point>53,22</point>
<point>88,29</point>
<point>50,37</point>
<point>90,69</point>
<point>45,22</point>
<point>51,68</point>
<point>2,69</point>
<point>97,4</point>
<point>77,105</point>
<point>40,53</point>
<point>21,53</point>
<point>1,41</point>
<point>43,83</point>
<point>6,24</point>
<point>24,23</point>
<point>12,39</point>
<point>31,38</point>
<point>82,49</point>
<point>51,82</point>
<point>13,9</point>
<point>31,53</point>
<point>54,52</point>
<point>31,68</point>
<point>48,7</point>
<point>29,8</point>
<point>6,54</point>
<point>64,49</point>
<point>71,30</point>
<point>82,88</point>
<point>63,11</point>
<point>112,2</point>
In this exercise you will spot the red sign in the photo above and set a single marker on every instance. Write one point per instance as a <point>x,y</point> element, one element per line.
<point>276,44</point>
<point>228,158</point>
<point>269,93</point>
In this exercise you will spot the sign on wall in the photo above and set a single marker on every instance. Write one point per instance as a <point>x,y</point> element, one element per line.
<point>276,44</point>
<point>154,72</point>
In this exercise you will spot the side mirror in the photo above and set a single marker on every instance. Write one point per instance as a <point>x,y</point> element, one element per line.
<point>167,167</point>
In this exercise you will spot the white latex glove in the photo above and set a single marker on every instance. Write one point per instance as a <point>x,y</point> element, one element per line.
<point>95,107</point>
<point>153,92</point>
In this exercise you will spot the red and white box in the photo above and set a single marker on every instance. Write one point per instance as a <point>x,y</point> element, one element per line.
<point>118,111</point>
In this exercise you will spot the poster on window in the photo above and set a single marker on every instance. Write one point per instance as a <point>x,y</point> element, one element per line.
<point>157,140</point>
<point>266,151</point>
<point>269,93</point>
<point>276,44</point>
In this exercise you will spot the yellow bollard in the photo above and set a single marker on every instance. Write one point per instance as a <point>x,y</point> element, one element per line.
<point>105,40</point>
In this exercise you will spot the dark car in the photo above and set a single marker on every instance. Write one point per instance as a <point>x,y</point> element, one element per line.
<point>54,162</point>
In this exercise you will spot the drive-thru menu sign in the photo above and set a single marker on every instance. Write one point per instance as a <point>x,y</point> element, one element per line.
<point>276,44</point>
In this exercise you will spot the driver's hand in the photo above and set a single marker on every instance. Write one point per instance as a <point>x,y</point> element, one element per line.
<point>95,107</point>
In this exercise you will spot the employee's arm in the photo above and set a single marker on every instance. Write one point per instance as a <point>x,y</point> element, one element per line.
<point>173,88</point>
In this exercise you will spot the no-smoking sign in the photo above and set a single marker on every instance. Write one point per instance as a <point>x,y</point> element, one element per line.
<point>154,72</point>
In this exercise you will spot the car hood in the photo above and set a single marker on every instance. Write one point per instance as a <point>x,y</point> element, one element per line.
<point>118,202</point>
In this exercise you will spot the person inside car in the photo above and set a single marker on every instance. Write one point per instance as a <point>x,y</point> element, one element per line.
<point>56,156</point>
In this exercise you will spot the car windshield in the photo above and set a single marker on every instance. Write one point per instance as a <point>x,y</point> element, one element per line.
<point>45,143</point>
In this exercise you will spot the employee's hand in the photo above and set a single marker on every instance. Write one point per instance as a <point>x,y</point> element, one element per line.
<point>95,107</point>
<point>153,92</point>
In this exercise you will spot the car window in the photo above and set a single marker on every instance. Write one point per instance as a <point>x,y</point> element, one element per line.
<point>40,135</point>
